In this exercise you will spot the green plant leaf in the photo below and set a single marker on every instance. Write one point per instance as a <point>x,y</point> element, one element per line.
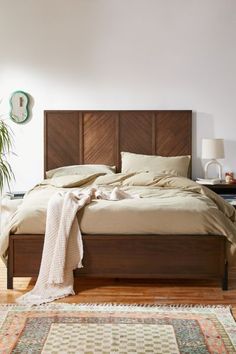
<point>6,173</point>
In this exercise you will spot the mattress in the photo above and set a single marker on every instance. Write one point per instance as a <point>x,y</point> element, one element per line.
<point>161,205</point>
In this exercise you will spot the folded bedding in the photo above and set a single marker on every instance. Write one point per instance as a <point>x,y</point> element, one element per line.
<point>166,204</point>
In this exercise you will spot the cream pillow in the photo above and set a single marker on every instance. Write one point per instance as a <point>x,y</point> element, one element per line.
<point>174,165</point>
<point>80,170</point>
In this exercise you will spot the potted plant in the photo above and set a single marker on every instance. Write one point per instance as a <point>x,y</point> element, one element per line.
<point>6,173</point>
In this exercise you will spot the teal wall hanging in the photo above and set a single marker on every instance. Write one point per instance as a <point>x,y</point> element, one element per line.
<point>19,103</point>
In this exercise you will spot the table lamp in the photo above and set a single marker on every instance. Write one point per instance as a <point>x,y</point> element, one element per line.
<point>213,149</point>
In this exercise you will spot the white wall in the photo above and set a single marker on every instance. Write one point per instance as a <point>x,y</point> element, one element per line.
<point>119,54</point>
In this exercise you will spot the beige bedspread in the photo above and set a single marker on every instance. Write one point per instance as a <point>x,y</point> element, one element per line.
<point>167,205</point>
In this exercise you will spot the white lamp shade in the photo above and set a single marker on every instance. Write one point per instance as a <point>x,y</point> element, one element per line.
<point>213,149</point>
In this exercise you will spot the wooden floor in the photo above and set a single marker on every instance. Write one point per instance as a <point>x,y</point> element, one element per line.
<point>90,290</point>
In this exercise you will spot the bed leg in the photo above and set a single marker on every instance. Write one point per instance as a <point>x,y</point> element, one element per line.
<point>9,280</point>
<point>225,277</point>
<point>10,268</point>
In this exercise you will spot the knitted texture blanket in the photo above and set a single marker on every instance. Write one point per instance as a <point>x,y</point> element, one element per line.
<point>63,246</point>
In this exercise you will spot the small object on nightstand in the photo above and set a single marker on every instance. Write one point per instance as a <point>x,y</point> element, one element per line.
<point>229,177</point>
<point>208,181</point>
<point>15,195</point>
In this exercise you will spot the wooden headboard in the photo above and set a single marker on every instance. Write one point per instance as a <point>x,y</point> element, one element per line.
<point>98,137</point>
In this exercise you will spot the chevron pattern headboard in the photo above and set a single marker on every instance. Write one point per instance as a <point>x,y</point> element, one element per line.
<point>79,137</point>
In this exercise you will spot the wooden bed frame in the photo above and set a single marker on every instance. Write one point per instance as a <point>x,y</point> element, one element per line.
<point>85,137</point>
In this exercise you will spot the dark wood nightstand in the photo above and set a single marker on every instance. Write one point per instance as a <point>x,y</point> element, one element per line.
<point>226,191</point>
<point>15,195</point>
<point>222,188</point>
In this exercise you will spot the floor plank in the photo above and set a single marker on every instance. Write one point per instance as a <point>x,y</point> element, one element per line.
<point>94,290</point>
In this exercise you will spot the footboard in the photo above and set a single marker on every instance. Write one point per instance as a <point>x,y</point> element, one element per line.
<point>131,256</point>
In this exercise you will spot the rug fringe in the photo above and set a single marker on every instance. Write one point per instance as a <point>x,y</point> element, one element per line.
<point>121,306</point>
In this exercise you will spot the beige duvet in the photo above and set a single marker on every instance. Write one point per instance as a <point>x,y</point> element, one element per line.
<point>166,205</point>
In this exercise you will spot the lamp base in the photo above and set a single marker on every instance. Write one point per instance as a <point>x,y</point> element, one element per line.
<point>213,162</point>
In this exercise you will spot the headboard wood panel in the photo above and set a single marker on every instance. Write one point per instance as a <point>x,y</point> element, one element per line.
<point>173,133</point>
<point>99,135</point>
<point>87,137</point>
<point>136,132</point>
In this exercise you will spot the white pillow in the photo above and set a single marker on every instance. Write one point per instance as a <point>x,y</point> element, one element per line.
<point>80,170</point>
<point>174,165</point>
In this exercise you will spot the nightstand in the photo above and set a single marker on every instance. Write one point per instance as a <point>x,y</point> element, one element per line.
<point>222,188</point>
<point>226,191</point>
<point>15,195</point>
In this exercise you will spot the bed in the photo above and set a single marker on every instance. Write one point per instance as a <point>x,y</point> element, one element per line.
<point>98,137</point>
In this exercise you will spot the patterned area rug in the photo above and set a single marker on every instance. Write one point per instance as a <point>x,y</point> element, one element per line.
<point>100,329</point>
